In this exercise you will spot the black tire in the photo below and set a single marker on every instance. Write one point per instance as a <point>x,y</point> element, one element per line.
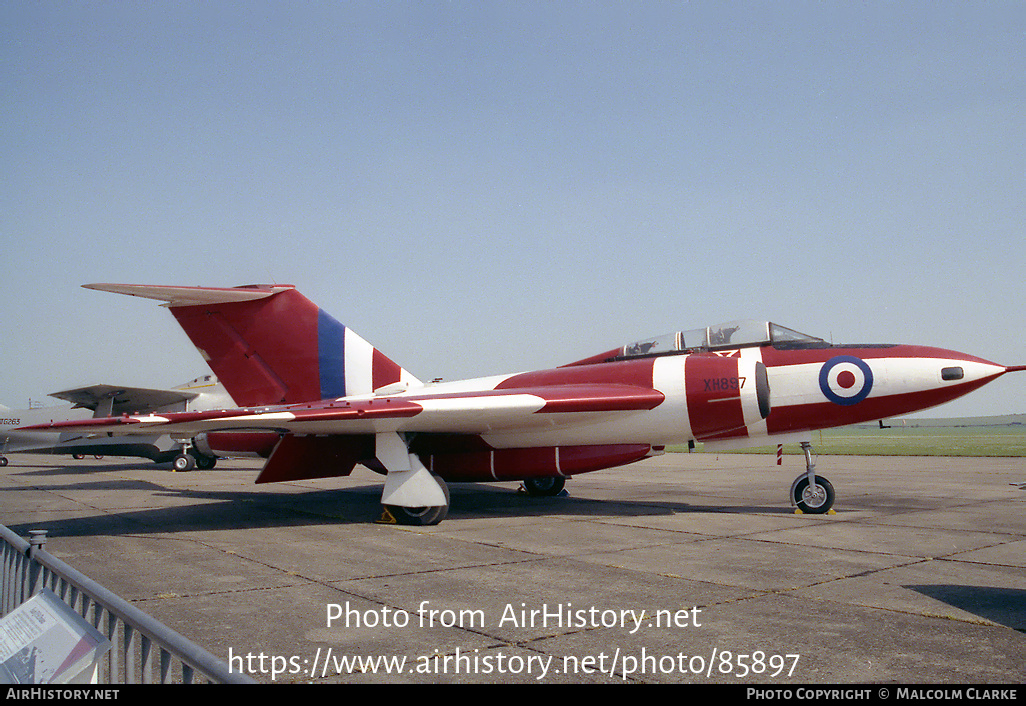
<point>422,516</point>
<point>418,516</point>
<point>205,463</point>
<point>3,461</point>
<point>813,502</point>
<point>183,463</point>
<point>544,487</point>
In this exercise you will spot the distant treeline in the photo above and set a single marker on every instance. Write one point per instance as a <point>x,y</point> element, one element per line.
<point>1005,420</point>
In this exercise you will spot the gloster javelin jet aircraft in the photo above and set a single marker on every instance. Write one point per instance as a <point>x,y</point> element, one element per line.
<point>317,399</point>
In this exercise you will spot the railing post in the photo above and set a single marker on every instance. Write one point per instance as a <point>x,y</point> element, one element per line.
<point>37,538</point>
<point>37,542</point>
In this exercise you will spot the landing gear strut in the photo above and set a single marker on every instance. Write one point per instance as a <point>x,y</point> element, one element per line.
<point>812,494</point>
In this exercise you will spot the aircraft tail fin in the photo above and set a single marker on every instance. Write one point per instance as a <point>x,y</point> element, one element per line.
<point>269,344</point>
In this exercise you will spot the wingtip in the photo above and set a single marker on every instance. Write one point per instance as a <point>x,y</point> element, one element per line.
<point>175,295</point>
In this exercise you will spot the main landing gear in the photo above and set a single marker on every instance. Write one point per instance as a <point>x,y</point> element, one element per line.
<point>811,494</point>
<point>544,487</point>
<point>413,495</point>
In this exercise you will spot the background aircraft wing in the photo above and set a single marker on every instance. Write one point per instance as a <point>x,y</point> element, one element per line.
<point>112,400</point>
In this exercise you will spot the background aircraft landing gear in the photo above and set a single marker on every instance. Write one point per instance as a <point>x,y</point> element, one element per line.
<point>190,459</point>
<point>3,461</point>
<point>421,516</point>
<point>544,487</point>
<point>204,462</point>
<point>183,463</point>
<point>812,494</point>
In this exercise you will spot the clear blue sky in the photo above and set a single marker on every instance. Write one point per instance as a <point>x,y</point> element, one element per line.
<point>484,187</point>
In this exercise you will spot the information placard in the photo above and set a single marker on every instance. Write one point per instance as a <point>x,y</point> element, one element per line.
<point>43,641</point>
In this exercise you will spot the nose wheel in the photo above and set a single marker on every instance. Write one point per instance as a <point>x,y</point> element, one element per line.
<point>812,499</point>
<point>811,494</point>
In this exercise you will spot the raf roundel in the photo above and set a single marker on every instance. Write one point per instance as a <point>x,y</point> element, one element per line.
<point>845,380</point>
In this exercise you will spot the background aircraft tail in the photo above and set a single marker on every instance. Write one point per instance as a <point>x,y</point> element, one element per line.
<point>268,344</point>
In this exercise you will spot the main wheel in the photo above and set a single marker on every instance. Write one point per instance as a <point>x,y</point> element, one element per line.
<point>814,500</point>
<point>422,516</point>
<point>545,487</point>
<point>3,461</point>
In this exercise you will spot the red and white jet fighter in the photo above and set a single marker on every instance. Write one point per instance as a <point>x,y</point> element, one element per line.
<point>317,399</point>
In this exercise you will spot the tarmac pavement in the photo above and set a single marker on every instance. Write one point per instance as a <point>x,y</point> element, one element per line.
<point>684,568</point>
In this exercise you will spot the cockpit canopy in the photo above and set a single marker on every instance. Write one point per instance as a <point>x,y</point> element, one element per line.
<point>734,334</point>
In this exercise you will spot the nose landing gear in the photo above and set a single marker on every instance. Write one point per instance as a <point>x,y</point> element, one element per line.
<point>811,494</point>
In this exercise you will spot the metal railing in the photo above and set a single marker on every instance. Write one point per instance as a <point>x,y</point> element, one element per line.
<point>143,650</point>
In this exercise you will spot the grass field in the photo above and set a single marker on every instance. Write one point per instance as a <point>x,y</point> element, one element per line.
<point>954,440</point>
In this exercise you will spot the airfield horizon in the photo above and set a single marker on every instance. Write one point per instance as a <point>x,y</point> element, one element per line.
<point>1003,436</point>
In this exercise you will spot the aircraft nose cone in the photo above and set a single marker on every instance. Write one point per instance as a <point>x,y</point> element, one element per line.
<point>919,377</point>
<point>961,368</point>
